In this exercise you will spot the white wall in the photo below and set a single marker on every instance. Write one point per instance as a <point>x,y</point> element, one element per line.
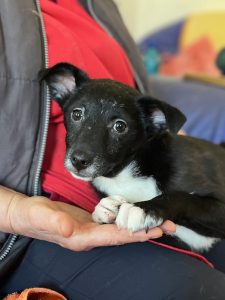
<point>145,16</point>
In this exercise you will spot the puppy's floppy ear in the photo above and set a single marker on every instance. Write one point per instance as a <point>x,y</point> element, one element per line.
<point>63,79</point>
<point>159,116</point>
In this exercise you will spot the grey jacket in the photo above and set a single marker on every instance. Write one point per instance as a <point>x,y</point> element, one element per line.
<point>24,104</point>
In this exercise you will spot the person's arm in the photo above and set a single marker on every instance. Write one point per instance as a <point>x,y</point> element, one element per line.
<point>64,224</point>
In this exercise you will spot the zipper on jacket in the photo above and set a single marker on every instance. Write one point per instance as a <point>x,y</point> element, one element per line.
<point>45,119</point>
<point>46,111</point>
<point>9,244</point>
<point>97,19</point>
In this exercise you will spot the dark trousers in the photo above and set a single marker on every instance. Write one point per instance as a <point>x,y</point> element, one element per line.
<point>139,271</point>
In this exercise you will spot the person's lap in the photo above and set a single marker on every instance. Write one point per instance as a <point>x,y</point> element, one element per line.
<point>216,256</point>
<point>136,271</point>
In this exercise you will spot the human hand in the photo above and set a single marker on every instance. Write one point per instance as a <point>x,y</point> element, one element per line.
<point>69,226</point>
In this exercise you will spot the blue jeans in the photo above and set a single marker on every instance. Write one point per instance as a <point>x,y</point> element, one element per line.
<point>137,271</point>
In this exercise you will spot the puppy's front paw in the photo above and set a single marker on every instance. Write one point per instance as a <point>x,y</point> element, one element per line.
<point>107,209</point>
<point>134,218</point>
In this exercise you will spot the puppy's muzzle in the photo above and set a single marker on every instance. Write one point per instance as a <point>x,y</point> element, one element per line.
<point>81,160</point>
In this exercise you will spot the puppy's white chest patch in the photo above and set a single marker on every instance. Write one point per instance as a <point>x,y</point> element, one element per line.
<point>134,188</point>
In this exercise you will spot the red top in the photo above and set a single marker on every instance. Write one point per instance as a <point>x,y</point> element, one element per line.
<point>74,37</point>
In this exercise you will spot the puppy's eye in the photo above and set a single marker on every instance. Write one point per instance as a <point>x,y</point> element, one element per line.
<point>120,126</point>
<point>77,114</point>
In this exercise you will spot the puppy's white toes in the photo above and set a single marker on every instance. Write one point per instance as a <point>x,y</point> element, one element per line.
<point>103,215</point>
<point>112,203</point>
<point>139,220</point>
<point>122,217</point>
<point>107,209</point>
<point>135,219</point>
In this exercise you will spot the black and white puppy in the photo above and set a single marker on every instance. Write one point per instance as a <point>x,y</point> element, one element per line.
<point>126,144</point>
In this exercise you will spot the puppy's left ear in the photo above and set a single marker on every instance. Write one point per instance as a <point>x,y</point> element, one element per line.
<point>63,79</point>
<point>159,116</point>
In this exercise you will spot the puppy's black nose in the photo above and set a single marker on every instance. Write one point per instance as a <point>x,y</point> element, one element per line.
<point>81,160</point>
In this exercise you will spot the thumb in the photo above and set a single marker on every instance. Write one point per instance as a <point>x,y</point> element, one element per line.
<point>64,223</point>
<point>47,217</point>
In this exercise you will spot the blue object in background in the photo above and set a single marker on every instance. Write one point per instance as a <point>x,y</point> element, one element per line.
<point>203,105</point>
<point>164,40</point>
<point>152,60</point>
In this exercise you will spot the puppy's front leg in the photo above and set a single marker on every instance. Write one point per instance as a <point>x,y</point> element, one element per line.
<point>107,209</point>
<point>203,214</point>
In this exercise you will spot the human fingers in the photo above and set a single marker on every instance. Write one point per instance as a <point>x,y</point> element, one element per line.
<point>94,235</point>
<point>168,227</point>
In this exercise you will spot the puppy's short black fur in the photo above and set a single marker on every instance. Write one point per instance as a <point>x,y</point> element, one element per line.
<point>126,144</point>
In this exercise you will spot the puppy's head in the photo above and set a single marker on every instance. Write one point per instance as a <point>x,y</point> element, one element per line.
<point>106,121</point>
